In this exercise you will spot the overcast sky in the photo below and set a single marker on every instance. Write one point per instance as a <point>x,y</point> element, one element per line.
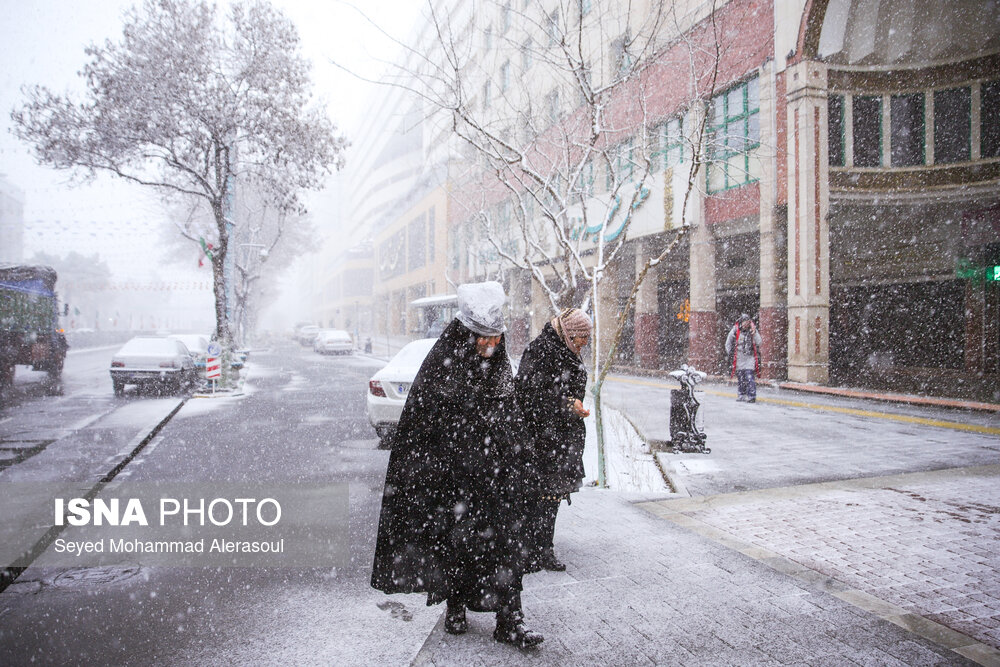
<point>43,41</point>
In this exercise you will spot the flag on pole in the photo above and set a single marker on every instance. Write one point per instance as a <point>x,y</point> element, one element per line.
<point>206,248</point>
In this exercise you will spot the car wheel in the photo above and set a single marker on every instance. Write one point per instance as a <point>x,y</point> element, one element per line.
<point>119,387</point>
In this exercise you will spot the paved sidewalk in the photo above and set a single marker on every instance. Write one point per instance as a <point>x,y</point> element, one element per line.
<point>919,549</point>
<point>643,591</point>
<point>786,438</point>
<point>822,529</point>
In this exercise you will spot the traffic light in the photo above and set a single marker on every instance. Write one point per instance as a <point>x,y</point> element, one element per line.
<point>993,273</point>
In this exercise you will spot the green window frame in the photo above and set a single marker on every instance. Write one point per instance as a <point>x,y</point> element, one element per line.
<point>867,131</point>
<point>837,137</point>
<point>669,144</point>
<point>733,136</point>
<point>989,119</point>
<point>907,132</point>
<point>586,180</point>
<point>623,164</point>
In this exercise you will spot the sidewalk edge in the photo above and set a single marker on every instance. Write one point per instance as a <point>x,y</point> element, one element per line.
<point>670,475</point>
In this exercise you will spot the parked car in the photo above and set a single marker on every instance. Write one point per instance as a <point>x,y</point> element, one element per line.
<point>388,388</point>
<point>197,345</point>
<point>151,362</point>
<point>333,340</point>
<point>307,334</point>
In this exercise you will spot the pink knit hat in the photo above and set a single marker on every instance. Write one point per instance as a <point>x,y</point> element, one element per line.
<point>571,323</point>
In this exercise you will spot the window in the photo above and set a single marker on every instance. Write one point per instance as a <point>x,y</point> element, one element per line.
<point>587,178</point>
<point>430,236</point>
<point>488,38</point>
<point>455,255</point>
<point>835,139</point>
<point>622,164</point>
<point>669,147</point>
<point>867,131</point>
<point>733,134</point>
<point>989,119</point>
<point>625,161</point>
<point>526,55</point>
<point>416,243</point>
<point>552,106</point>
<point>487,94</point>
<point>585,7</point>
<point>906,129</point>
<point>505,77</point>
<point>554,37</point>
<point>621,59</point>
<point>952,125</point>
<point>505,18</point>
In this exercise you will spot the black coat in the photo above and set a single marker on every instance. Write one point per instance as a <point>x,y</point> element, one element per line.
<point>453,506</point>
<point>549,376</point>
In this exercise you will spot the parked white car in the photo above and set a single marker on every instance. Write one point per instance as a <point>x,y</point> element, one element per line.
<point>197,345</point>
<point>388,388</point>
<point>307,334</point>
<point>333,340</point>
<point>153,362</point>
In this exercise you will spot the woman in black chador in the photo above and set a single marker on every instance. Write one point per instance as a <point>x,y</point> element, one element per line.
<point>551,381</point>
<point>453,506</point>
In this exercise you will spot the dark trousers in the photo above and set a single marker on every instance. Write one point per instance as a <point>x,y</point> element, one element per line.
<point>543,522</point>
<point>746,384</point>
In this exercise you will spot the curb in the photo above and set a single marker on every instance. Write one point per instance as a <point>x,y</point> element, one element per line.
<point>909,399</point>
<point>676,512</point>
<point>670,475</point>
<point>885,397</point>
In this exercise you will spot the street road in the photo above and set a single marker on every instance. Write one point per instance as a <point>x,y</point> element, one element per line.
<point>303,421</point>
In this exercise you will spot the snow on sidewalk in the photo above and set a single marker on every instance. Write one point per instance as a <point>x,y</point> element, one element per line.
<point>629,465</point>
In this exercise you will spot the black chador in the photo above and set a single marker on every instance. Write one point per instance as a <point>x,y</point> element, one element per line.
<point>453,505</point>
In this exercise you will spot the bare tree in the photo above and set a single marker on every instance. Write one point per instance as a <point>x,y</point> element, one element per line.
<point>192,107</point>
<point>566,157</point>
<point>566,139</point>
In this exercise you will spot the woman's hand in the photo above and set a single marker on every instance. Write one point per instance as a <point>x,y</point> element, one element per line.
<point>578,409</point>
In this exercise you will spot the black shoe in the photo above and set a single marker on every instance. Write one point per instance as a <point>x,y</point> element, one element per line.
<point>455,622</point>
<point>751,400</point>
<point>512,630</point>
<point>551,563</point>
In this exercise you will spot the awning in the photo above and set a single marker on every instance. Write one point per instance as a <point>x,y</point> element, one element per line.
<point>436,300</point>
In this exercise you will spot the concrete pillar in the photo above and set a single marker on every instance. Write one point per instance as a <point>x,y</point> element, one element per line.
<point>703,327</point>
<point>808,229</point>
<point>773,315</point>
<point>647,316</point>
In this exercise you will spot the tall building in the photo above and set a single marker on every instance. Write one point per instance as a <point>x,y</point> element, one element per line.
<point>11,222</point>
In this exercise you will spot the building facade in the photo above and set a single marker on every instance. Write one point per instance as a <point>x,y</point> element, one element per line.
<point>833,169</point>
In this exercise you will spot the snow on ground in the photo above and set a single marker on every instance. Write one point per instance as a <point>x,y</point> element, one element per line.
<point>629,466</point>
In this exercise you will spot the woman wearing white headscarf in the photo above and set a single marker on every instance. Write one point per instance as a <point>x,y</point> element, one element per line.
<point>452,517</point>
